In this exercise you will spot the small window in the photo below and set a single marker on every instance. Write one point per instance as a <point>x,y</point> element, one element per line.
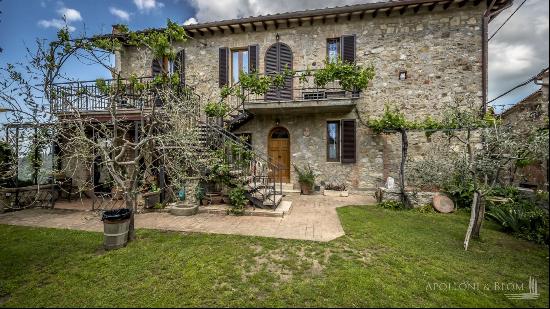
<point>239,64</point>
<point>333,141</point>
<point>333,50</point>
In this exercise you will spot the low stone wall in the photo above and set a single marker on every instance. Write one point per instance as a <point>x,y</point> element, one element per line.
<point>418,199</point>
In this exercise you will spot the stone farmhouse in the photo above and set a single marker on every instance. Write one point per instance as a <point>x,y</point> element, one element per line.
<point>425,54</point>
<point>529,113</point>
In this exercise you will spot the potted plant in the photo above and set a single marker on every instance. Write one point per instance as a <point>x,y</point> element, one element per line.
<point>306,178</point>
<point>152,196</point>
<point>336,190</point>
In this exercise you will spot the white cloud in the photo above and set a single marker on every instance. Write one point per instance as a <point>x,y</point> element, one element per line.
<point>67,17</point>
<point>209,10</point>
<point>123,15</point>
<point>55,23</point>
<point>70,14</point>
<point>148,5</point>
<point>190,21</point>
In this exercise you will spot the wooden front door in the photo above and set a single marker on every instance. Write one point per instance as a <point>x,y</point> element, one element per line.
<point>279,153</point>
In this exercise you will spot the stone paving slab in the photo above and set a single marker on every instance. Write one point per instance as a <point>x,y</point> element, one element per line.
<point>312,218</point>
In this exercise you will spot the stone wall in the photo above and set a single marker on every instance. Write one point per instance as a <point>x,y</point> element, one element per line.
<point>440,50</point>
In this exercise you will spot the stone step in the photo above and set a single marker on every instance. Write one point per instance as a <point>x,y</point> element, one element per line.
<point>288,188</point>
<point>268,202</point>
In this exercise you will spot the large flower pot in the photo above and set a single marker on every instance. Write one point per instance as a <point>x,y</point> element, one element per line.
<point>306,188</point>
<point>182,209</point>
<point>151,199</point>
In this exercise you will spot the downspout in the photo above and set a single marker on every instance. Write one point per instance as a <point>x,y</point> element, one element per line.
<point>486,18</point>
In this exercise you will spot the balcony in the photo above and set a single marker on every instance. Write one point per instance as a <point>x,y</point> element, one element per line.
<point>301,95</point>
<point>105,97</point>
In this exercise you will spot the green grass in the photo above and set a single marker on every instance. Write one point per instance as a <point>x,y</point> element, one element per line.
<point>386,258</point>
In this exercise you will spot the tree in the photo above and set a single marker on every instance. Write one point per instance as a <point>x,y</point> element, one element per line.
<point>487,147</point>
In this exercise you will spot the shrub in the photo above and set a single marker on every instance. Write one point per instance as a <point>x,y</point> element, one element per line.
<point>522,219</point>
<point>393,205</point>
<point>238,200</point>
<point>306,175</point>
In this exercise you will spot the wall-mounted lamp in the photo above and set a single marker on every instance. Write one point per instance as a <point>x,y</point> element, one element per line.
<point>402,75</point>
<point>277,121</point>
<point>277,37</point>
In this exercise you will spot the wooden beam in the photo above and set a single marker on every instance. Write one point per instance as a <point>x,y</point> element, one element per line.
<point>232,29</point>
<point>336,18</point>
<point>349,16</point>
<point>264,25</point>
<point>221,30</point>
<point>253,27</point>
<point>403,9</point>
<point>299,22</point>
<point>362,15</point>
<point>432,6</point>
<point>447,5</point>
<point>200,32</point>
<point>416,8</point>
<point>288,23</point>
<point>243,28</point>
<point>311,21</point>
<point>324,19</point>
<point>374,13</point>
<point>388,12</point>
<point>276,24</point>
<point>210,31</point>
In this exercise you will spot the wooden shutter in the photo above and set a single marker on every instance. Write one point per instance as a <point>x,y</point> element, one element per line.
<point>348,48</point>
<point>156,68</point>
<point>271,56</point>
<point>179,66</point>
<point>253,58</point>
<point>348,141</point>
<point>285,62</point>
<point>278,57</point>
<point>224,66</point>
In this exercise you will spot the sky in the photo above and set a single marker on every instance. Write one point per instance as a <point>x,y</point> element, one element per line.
<point>517,52</point>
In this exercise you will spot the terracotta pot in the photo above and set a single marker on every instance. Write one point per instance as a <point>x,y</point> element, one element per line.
<point>306,188</point>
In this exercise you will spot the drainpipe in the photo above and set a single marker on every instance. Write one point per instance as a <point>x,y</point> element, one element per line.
<point>486,18</point>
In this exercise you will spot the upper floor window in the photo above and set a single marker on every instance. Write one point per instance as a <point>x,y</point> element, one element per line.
<point>333,50</point>
<point>239,64</point>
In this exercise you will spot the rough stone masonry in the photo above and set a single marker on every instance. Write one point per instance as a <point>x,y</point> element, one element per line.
<point>441,50</point>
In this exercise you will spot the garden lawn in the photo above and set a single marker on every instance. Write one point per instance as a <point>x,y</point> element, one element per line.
<point>386,258</point>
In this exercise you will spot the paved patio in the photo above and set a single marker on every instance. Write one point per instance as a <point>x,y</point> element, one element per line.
<point>311,218</point>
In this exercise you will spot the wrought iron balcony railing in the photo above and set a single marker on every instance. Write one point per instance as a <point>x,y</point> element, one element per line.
<point>104,95</point>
